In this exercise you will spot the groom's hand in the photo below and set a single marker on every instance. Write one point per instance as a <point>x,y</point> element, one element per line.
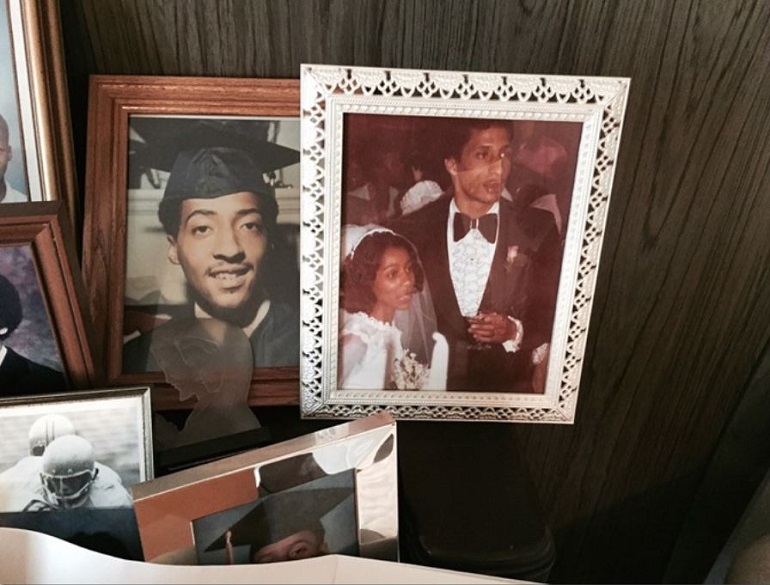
<point>492,328</point>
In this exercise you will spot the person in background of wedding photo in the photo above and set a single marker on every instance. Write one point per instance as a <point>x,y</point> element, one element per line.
<point>7,193</point>
<point>376,177</point>
<point>219,215</point>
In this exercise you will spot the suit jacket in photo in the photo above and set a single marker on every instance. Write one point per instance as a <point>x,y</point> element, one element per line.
<point>21,376</point>
<point>523,284</point>
<point>274,343</point>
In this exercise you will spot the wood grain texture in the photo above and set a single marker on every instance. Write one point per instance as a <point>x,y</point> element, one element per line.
<point>680,317</point>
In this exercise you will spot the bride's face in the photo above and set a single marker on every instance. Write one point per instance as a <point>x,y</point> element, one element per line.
<point>393,284</point>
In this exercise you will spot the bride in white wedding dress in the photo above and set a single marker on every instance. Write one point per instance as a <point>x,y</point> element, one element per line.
<point>387,325</point>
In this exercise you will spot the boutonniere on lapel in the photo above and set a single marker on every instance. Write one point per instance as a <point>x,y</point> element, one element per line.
<point>514,259</point>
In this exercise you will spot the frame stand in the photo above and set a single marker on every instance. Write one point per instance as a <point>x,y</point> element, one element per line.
<point>467,502</point>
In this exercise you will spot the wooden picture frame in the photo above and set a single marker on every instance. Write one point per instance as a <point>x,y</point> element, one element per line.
<point>182,515</point>
<point>536,153</point>
<point>38,258</point>
<point>67,462</point>
<point>116,102</point>
<point>37,106</point>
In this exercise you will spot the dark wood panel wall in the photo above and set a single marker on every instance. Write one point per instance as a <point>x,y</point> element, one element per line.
<point>681,317</point>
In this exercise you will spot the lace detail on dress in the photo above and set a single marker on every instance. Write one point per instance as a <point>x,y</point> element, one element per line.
<point>372,368</point>
<point>369,329</point>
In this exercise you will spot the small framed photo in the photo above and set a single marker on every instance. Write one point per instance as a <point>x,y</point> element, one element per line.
<point>46,340</point>
<point>36,152</point>
<point>67,462</point>
<point>191,239</point>
<point>330,492</point>
<point>452,226</point>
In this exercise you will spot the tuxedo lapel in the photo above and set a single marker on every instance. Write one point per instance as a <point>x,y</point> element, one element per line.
<point>505,288</point>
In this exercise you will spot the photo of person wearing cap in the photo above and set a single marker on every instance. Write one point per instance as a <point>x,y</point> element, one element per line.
<point>219,216</point>
<point>311,520</point>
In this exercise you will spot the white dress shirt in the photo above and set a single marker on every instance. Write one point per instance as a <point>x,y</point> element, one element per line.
<point>470,262</point>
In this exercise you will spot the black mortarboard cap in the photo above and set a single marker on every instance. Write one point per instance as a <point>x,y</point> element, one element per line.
<point>209,158</point>
<point>279,515</point>
<point>288,473</point>
<point>164,138</point>
<point>212,172</point>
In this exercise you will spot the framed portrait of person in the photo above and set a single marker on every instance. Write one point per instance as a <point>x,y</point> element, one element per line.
<point>191,237</point>
<point>330,492</point>
<point>36,152</point>
<point>67,462</point>
<point>46,339</point>
<point>452,225</point>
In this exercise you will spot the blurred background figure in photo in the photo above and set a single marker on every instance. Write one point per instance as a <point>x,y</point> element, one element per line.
<point>426,177</point>
<point>377,172</point>
<point>543,169</point>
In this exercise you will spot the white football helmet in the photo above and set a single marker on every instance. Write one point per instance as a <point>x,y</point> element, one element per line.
<point>69,470</point>
<point>45,429</point>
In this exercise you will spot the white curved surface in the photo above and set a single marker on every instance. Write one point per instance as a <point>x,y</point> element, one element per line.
<point>34,557</point>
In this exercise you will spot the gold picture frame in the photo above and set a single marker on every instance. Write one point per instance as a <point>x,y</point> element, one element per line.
<point>37,106</point>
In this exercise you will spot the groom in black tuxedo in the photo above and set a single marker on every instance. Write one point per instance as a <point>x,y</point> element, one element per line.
<point>492,268</point>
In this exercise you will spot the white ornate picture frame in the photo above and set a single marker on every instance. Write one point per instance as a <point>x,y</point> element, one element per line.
<point>575,121</point>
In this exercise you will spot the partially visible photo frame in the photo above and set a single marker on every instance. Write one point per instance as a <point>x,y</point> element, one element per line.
<point>136,126</point>
<point>330,492</point>
<point>48,338</point>
<point>67,462</point>
<point>399,165</point>
<point>34,105</point>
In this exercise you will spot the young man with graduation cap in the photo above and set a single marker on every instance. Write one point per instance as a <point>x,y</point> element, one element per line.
<point>219,215</point>
<point>284,526</point>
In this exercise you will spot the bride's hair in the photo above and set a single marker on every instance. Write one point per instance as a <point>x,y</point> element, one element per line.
<point>360,269</point>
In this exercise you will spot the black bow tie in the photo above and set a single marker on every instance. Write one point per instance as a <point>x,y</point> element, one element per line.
<point>486,224</point>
